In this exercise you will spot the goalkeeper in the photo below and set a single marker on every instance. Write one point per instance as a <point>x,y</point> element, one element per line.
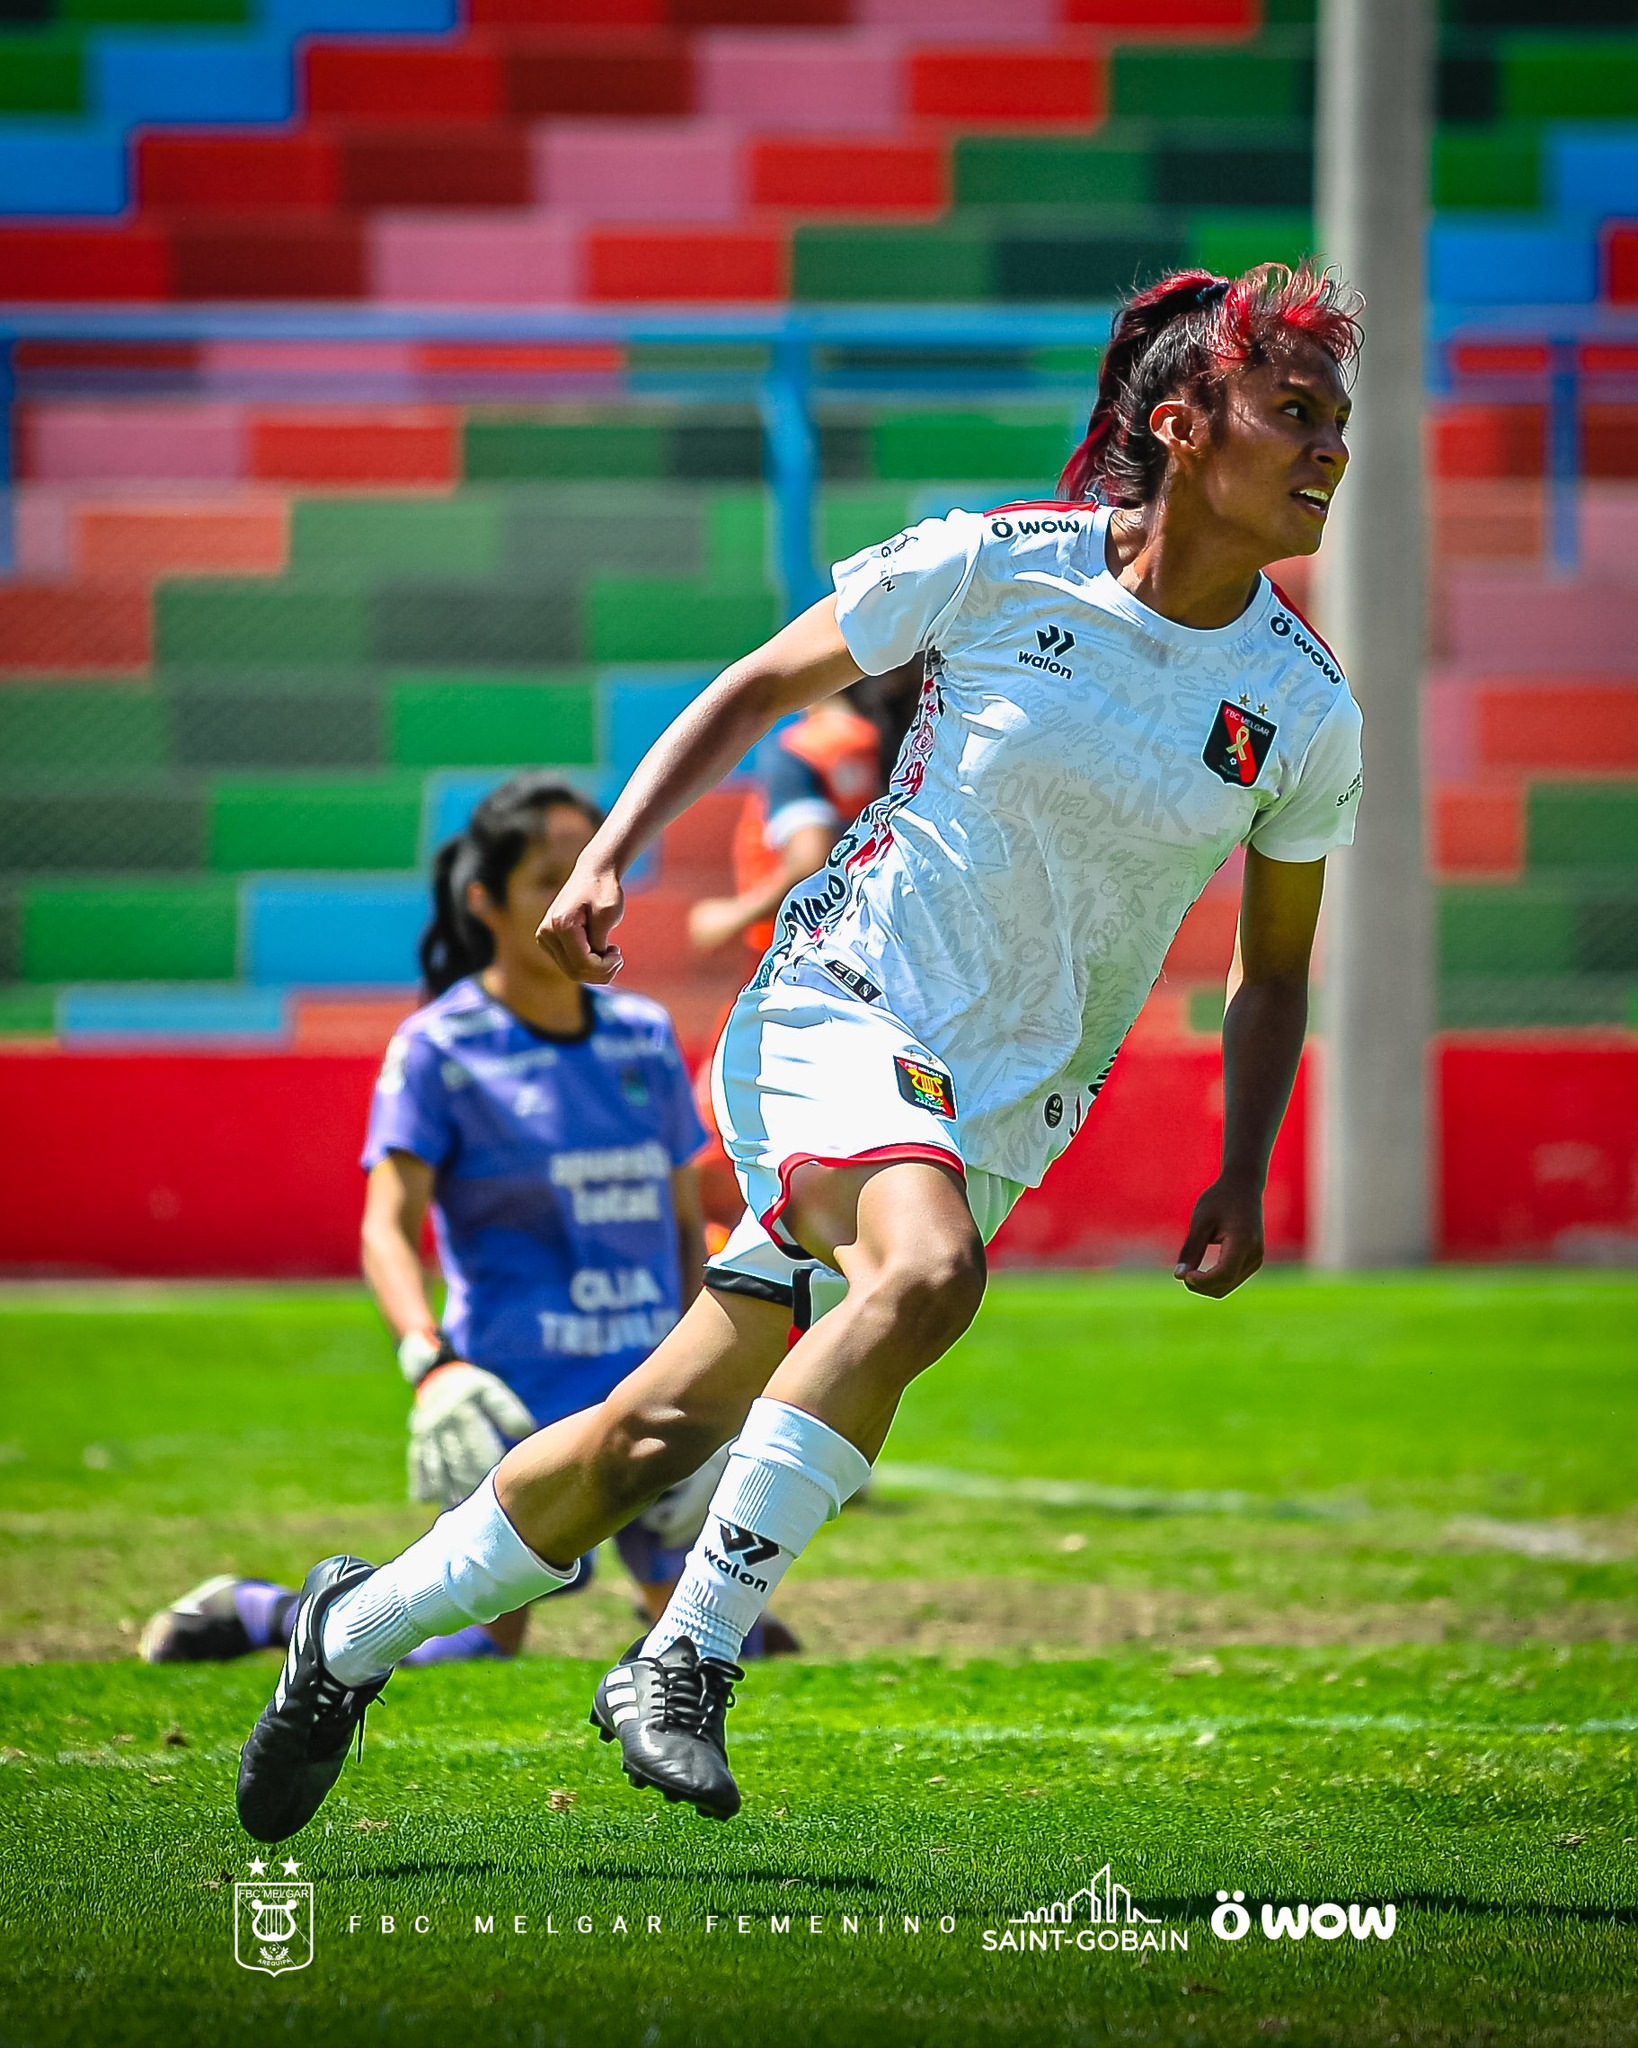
<point>548,1128</point>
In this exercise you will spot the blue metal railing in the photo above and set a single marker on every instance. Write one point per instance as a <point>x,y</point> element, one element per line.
<point>805,363</point>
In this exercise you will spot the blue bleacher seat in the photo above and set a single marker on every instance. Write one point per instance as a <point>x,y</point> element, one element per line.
<point>333,931</point>
<point>1593,171</point>
<point>166,76</point>
<point>89,1014</point>
<point>360,17</point>
<point>62,167</point>
<point>1511,263</point>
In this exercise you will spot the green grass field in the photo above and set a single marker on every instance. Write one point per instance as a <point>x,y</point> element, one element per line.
<point>1325,1594</point>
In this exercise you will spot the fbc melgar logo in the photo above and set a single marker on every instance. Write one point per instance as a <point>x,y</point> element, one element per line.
<point>273,1921</point>
<point>1103,1916</point>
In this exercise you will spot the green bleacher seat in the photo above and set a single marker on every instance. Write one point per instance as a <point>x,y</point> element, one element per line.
<point>1569,78</point>
<point>636,619</point>
<point>300,719</point>
<point>160,13</point>
<point>943,263</point>
<point>41,74</point>
<point>26,1012</point>
<point>1488,167</point>
<point>264,822</point>
<point>343,537</point>
<point>558,534</point>
<point>81,725</point>
<point>426,623</point>
<point>1015,170</point>
<point>1095,261</point>
<point>853,519</point>
<point>737,536</point>
<point>479,720</point>
<point>1243,85</point>
<point>1586,825</point>
<point>68,822</point>
<point>227,623</point>
<point>1510,1002</point>
<point>1501,931</point>
<point>130,931</point>
<point>957,445</point>
<point>520,448</point>
<point>1229,241</point>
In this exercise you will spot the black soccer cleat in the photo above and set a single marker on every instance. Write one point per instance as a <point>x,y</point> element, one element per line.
<point>202,1627</point>
<point>668,1714</point>
<point>295,1751</point>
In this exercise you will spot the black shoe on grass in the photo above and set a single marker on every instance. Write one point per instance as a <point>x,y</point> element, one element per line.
<point>295,1751</point>
<point>204,1625</point>
<point>668,1714</point>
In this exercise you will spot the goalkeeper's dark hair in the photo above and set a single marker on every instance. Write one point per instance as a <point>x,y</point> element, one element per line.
<point>499,833</point>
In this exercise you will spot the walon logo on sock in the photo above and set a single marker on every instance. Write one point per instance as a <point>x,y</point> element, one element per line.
<point>273,1921</point>
<point>744,1547</point>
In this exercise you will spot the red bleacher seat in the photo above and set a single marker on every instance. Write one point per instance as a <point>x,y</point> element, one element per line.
<point>1621,262</point>
<point>236,171</point>
<point>696,851</point>
<point>144,538</point>
<point>1490,440</point>
<point>401,165</point>
<point>1034,88</point>
<point>642,73</point>
<point>686,264</point>
<point>404,445</point>
<point>403,80</point>
<point>58,262</point>
<point>1157,17</point>
<point>281,256</point>
<point>1479,831</point>
<point>70,628</point>
<point>1609,440</point>
<point>1546,726</point>
<point>859,176</point>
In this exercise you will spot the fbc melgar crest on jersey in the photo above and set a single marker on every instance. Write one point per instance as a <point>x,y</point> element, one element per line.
<point>1080,767</point>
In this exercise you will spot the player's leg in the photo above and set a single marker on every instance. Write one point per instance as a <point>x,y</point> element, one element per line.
<point>558,1494</point>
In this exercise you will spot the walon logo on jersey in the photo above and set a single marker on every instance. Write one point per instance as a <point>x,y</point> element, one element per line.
<point>926,1087</point>
<point>1239,744</point>
<point>1052,641</point>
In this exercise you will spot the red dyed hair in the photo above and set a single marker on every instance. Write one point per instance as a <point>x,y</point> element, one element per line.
<point>1178,339</point>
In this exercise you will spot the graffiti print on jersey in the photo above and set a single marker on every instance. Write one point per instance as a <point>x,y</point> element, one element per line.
<point>1239,744</point>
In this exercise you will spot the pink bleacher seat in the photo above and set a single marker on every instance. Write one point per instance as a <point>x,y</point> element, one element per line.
<point>61,262</point>
<point>1609,533</point>
<point>640,170</point>
<point>1553,725</point>
<point>477,259</point>
<point>1018,88</point>
<point>281,256</point>
<point>1488,519</point>
<point>1478,832</point>
<point>238,171</point>
<point>678,266</point>
<point>862,175</point>
<point>74,440</point>
<point>825,84</point>
<point>403,80</point>
<point>965,21</point>
<point>1508,621</point>
<point>1146,18</point>
<point>638,73</point>
<point>74,628</point>
<point>760,13</point>
<point>402,445</point>
<point>252,364</point>
<point>248,536</point>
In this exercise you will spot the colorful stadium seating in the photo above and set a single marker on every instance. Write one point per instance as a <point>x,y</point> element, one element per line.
<point>282,611</point>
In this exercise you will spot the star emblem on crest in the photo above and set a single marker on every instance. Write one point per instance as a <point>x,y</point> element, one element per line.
<point>257,1867</point>
<point>290,1866</point>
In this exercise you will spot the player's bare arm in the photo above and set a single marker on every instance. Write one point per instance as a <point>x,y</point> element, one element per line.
<point>805,662</point>
<point>1263,1030</point>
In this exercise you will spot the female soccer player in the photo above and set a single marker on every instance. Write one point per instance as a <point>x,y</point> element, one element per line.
<point>1116,697</point>
<point>550,1130</point>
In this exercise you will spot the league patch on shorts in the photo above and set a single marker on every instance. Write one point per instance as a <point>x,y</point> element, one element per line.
<point>1239,743</point>
<point>926,1087</point>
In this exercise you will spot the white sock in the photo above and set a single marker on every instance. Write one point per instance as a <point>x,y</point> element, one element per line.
<point>471,1565</point>
<point>788,1474</point>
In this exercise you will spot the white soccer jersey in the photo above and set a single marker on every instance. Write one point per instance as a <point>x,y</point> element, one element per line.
<point>1078,769</point>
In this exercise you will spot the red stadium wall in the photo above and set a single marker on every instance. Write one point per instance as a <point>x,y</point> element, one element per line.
<point>222,1164</point>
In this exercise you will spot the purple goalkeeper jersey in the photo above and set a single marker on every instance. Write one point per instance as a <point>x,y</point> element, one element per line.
<point>552,1160</point>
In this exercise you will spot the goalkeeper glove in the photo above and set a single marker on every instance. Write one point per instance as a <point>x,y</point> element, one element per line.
<point>463,1422</point>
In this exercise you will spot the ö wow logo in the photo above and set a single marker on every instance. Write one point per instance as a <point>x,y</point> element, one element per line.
<point>273,1921</point>
<point>1231,1920</point>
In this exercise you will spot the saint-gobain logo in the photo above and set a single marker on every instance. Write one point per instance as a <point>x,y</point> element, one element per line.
<point>1101,1915</point>
<point>272,1926</point>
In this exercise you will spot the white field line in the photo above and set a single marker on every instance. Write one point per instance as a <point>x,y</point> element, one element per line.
<point>1110,1500</point>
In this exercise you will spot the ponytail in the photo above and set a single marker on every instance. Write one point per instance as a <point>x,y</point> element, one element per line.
<point>498,834</point>
<point>1175,340</point>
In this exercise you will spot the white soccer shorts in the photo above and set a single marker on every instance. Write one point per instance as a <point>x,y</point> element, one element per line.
<point>809,1074</point>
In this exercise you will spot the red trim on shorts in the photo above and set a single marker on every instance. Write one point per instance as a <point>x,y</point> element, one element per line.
<point>878,1155</point>
<point>1307,621</point>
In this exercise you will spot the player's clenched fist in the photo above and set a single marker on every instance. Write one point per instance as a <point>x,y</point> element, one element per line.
<point>575,931</point>
<point>464,1422</point>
